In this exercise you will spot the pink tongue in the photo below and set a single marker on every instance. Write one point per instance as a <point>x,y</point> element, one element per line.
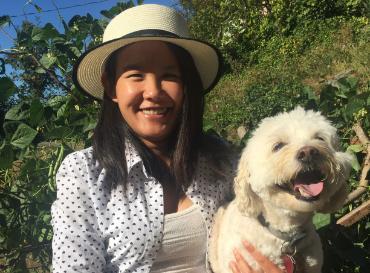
<point>313,189</point>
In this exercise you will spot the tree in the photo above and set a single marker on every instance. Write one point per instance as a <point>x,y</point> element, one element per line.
<point>44,117</point>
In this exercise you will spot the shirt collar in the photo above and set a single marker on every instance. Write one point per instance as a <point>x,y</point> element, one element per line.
<point>132,156</point>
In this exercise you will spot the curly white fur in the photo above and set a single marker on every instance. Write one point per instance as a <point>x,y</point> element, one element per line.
<point>263,172</point>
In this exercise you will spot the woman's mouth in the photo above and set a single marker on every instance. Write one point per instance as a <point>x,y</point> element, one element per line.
<point>155,111</point>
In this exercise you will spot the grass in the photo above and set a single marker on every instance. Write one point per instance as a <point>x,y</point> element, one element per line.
<point>289,66</point>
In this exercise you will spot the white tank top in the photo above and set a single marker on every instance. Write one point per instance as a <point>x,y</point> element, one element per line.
<point>184,243</point>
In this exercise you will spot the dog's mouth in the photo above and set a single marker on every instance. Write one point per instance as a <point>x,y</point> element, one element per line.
<point>307,185</point>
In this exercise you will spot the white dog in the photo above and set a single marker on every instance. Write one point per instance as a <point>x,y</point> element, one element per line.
<point>290,168</point>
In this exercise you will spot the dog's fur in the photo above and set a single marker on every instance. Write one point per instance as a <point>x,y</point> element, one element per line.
<point>269,164</point>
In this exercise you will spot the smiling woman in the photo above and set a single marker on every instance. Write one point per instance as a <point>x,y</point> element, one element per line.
<point>142,199</point>
<point>122,203</point>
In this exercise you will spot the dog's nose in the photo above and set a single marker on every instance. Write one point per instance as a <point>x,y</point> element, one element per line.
<point>307,154</point>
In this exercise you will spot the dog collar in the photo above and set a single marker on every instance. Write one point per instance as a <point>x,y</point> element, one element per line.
<point>289,263</point>
<point>289,247</point>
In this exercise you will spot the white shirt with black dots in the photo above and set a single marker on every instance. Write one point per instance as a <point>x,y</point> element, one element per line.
<point>102,229</point>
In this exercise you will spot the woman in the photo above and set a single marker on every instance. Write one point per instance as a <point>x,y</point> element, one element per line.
<point>143,197</point>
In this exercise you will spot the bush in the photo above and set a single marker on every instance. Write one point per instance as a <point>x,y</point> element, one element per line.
<point>256,101</point>
<point>243,29</point>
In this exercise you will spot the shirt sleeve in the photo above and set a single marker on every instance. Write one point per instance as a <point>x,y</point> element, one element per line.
<point>77,241</point>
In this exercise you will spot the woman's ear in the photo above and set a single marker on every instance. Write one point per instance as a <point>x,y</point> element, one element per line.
<point>108,85</point>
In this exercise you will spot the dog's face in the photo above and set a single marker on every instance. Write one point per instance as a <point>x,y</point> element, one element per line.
<point>292,161</point>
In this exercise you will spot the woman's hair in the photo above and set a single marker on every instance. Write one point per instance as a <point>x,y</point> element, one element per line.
<point>112,130</point>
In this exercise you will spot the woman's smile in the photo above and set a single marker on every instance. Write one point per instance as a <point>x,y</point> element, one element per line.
<point>155,111</point>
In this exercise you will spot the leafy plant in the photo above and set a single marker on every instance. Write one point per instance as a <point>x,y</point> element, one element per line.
<point>44,117</point>
<point>243,29</point>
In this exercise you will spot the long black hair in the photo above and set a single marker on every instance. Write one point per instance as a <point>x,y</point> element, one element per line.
<point>112,130</point>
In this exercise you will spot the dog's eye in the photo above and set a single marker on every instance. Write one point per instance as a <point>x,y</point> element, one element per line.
<point>319,138</point>
<point>278,146</point>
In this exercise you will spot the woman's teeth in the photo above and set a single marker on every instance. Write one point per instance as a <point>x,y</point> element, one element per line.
<point>156,111</point>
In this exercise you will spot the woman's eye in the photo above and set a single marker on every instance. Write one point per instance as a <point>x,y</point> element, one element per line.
<point>277,146</point>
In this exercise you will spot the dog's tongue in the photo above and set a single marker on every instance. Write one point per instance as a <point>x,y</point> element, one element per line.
<point>312,189</point>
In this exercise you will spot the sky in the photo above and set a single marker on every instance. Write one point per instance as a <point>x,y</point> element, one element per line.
<point>19,10</point>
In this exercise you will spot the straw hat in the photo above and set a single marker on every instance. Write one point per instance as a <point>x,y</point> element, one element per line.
<point>142,23</point>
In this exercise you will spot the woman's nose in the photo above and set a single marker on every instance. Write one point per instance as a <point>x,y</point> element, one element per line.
<point>152,88</point>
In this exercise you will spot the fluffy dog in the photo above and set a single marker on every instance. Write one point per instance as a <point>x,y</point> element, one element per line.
<point>290,168</point>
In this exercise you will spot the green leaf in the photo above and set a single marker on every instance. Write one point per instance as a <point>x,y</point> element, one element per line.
<point>59,133</point>
<point>321,220</point>
<point>62,110</point>
<point>59,40</point>
<point>56,101</point>
<point>4,20</point>
<point>18,112</point>
<point>355,148</point>
<point>341,95</point>
<point>37,34</point>
<point>309,92</point>
<point>6,157</point>
<point>46,218</point>
<point>28,167</point>
<point>36,112</point>
<point>48,60</point>
<point>50,31</point>
<point>355,164</point>
<point>45,33</point>
<point>90,126</point>
<point>23,136</point>
<point>107,14</point>
<point>352,82</point>
<point>354,105</point>
<point>75,51</point>
<point>7,88</point>
<point>9,128</point>
<point>40,70</point>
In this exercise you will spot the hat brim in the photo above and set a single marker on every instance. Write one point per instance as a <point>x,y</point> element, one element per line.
<point>89,67</point>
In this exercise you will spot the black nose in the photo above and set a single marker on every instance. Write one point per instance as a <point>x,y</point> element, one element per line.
<point>307,154</point>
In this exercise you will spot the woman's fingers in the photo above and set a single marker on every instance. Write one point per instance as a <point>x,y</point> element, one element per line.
<point>234,267</point>
<point>265,263</point>
<point>240,265</point>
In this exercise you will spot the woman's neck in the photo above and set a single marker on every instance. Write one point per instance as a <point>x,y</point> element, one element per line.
<point>160,149</point>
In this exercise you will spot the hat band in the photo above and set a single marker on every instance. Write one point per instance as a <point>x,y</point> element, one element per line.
<point>150,32</point>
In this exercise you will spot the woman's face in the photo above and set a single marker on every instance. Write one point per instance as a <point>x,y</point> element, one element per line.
<point>149,90</point>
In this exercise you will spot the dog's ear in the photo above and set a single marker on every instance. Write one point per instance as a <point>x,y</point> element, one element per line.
<point>336,201</point>
<point>247,200</point>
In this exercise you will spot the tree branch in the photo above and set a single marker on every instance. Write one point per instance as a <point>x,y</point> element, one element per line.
<point>51,73</point>
<point>355,215</point>
<point>363,183</point>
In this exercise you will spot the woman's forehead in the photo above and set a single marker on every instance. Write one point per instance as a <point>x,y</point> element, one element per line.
<point>146,53</point>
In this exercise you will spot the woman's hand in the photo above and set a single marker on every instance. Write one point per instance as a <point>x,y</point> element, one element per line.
<point>241,266</point>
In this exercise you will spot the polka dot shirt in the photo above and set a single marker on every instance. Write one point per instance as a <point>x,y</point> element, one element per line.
<point>102,229</point>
